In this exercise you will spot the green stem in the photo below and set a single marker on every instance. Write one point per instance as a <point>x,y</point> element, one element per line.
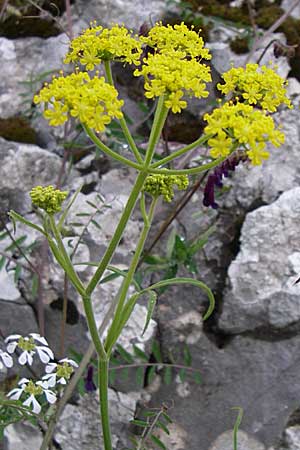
<point>114,330</point>
<point>103,391</point>
<point>180,152</point>
<point>158,123</point>
<point>90,318</point>
<point>118,232</point>
<point>64,258</point>
<point>192,171</point>
<point>122,121</point>
<point>108,151</point>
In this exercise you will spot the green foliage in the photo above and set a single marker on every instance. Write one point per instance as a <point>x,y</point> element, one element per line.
<point>153,424</point>
<point>179,253</point>
<point>12,411</point>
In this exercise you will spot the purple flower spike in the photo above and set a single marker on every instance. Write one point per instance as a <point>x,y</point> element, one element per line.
<point>215,178</point>
<point>88,381</point>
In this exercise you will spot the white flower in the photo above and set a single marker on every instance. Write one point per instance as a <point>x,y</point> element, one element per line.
<point>29,348</point>
<point>60,372</point>
<point>5,360</point>
<point>32,390</point>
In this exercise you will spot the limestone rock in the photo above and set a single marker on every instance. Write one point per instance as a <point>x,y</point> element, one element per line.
<point>79,426</point>
<point>245,442</point>
<point>261,290</point>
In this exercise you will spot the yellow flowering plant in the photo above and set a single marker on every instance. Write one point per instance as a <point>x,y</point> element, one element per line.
<point>174,67</point>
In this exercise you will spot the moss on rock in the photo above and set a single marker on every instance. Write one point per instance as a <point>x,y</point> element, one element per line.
<point>17,129</point>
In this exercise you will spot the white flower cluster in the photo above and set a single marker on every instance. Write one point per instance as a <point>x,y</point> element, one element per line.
<point>56,373</point>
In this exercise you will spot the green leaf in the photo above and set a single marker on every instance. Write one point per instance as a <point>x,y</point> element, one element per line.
<point>193,282</point>
<point>156,351</point>
<point>125,354</point>
<point>153,260</point>
<point>187,356</point>
<point>3,235</point>
<point>167,418</point>
<point>150,308</point>
<point>236,427</point>
<point>180,250</point>
<point>96,224</point>
<point>201,241</point>
<point>182,375</point>
<point>2,262</point>
<point>140,354</point>
<point>17,243</point>
<point>140,376</point>
<point>163,427</point>
<point>139,423</point>
<point>15,216</point>
<point>18,270</point>
<point>158,442</point>
<point>150,374</point>
<point>167,375</point>
<point>171,243</point>
<point>197,377</point>
<point>67,209</point>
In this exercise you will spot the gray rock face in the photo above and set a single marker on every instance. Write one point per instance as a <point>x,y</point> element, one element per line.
<point>132,13</point>
<point>22,437</point>
<point>79,427</point>
<point>23,166</point>
<point>260,289</point>
<point>25,59</point>
<point>256,375</point>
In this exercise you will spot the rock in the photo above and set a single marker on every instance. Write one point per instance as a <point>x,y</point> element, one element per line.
<point>23,166</point>
<point>260,290</point>
<point>8,286</point>
<point>132,13</point>
<point>243,372</point>
<point>22,436</point>
<point>293,87</point>
<point>286,5</point>
<point>23,60</point>
<point>245,442</point>
<point>291,438</point>
<point>79,426</point>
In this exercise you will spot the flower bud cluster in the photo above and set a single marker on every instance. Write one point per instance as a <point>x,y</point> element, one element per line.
<point>157,185</point>
<point>48,198</point>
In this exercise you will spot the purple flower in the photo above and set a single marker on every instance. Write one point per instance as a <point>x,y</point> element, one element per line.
<point>88,381</point>
<point>215,178</point>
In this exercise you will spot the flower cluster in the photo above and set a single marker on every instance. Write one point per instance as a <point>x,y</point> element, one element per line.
<point>215,178</point>
<point>48,198</point>
<point>157,185</point>
<point>97,44</point>
<point>32,392</point>
<point>240,125</point>
<point>179,38</point>
<point>175,68</point>
<point>256,85</point>
<point>93,101</point>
